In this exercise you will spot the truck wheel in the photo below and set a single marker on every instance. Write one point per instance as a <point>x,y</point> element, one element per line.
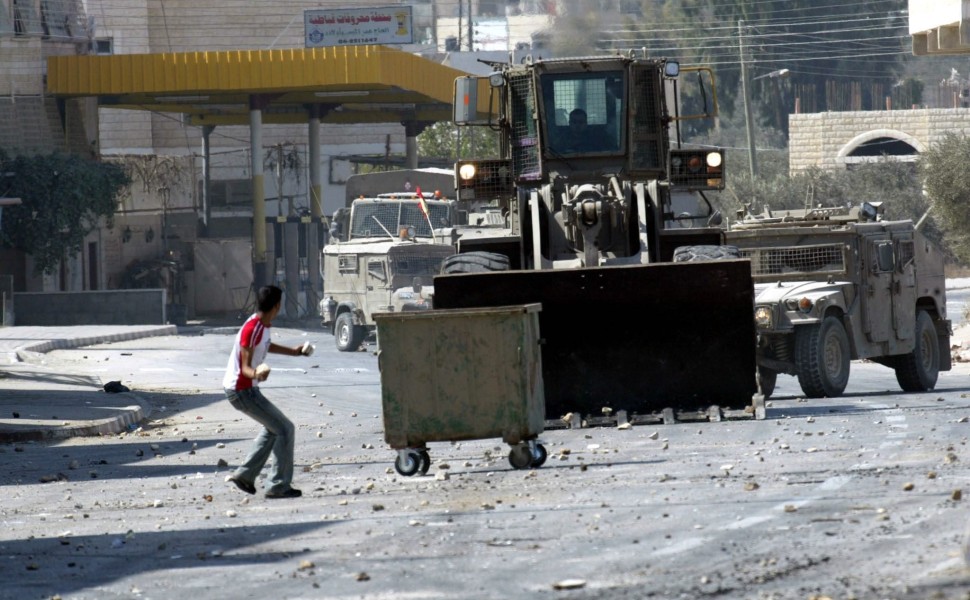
<point>348,336</point>
<point>822,358</point>
<point>918,370</point>
<point>767,378</point>
<point>475,262</point>
<point>706,253</point>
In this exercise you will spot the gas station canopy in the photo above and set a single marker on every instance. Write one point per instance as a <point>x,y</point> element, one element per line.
<point>345,84</point>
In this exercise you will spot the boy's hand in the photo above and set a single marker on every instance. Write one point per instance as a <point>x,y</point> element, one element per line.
<point>307,349</point>
<point>262,372</point>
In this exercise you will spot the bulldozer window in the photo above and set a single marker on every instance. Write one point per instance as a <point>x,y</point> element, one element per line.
<point>584,111</point>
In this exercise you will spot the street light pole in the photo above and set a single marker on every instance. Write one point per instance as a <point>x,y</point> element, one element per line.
<point>748,120</point>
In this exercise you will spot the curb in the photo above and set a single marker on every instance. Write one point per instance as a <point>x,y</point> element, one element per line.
<point>135,412</point>
<point>24,352</point>
<point>130,415</point>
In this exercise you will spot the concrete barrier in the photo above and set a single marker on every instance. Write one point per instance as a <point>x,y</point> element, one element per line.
<point>105,307</point>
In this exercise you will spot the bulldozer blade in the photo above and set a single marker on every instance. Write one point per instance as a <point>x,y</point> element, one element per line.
<point>638,338</point>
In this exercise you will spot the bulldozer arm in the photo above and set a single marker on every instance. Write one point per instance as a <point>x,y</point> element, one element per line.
<point>638,338</point>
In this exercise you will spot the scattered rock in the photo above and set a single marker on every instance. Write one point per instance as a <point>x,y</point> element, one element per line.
<point>751,486</point>
<point>790,508</point>
<point>305,565</point>
<point>957,495</point>
<point>908,487</point>
<point>362,576</point>
<point>931,475</point>
<point>569,584</point>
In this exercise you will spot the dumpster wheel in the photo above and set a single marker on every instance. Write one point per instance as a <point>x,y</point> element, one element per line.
<point>424,462</point>
<point>539,456</point>
<point>525,455</point>
<point>409,462</point>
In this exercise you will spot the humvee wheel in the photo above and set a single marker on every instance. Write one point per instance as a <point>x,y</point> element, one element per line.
<point>348,336</point>
<point>766,380</point>
<point>918,370</point>
<point>822,358</point>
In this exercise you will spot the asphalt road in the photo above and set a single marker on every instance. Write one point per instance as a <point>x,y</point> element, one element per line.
<point>856,497</point>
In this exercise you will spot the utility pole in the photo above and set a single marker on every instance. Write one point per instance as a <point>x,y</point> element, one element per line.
<point>748,120</point>
<point>471,28</point>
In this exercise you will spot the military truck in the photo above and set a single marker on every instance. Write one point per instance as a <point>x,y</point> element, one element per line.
<point>382,256</point>
<point>593,230</point>
<point>837,284</point>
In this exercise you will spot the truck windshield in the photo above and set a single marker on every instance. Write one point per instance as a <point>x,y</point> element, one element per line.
<point>382,218</point>
<point>583,112</point>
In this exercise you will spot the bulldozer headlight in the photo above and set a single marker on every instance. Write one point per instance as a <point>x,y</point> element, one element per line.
<point>466,171</point>
<point>764,317</point>
<point>696,169</point>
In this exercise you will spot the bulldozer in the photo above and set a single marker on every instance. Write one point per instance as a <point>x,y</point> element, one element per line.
<point>610,227</point>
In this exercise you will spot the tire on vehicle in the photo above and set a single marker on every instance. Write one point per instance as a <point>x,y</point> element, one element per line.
<point>822,358</point>
<point>475,262</point>
<point>918,370</point>
<point>347,335</point>
<point>706,253</point>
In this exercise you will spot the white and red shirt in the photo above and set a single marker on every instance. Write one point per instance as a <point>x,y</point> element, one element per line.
<point>254,335</point>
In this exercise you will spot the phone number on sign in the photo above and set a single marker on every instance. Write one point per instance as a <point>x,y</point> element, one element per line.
<point>357,40</point>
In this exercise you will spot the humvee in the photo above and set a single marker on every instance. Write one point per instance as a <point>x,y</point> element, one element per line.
<point>836,284</point>
<point>382,257</point>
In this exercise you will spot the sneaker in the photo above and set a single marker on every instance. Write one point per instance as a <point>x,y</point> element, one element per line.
<point>287,493</point>
<point>244,486</point>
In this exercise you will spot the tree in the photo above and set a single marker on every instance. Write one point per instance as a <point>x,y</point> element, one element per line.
<point>441,140</point>
<point>894,183</point>
<point>64,199</point>
<point>946,180</point>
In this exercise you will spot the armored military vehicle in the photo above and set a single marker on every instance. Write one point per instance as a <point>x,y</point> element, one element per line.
<point>382,257</point>
<point>836,284</point>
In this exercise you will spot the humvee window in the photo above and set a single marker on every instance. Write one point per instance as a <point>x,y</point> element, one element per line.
<point>388,218</point>
<point>347,263</point>
<point>884,256</point>
<point>375,268</point>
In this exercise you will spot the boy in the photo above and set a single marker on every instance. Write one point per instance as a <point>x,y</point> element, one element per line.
<point>241,382</point>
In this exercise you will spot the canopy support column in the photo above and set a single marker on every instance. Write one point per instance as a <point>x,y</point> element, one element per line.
<point>260,272</point>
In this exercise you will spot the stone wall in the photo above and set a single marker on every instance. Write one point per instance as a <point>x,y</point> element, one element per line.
<point>116,307</point>
<point>827,139</point>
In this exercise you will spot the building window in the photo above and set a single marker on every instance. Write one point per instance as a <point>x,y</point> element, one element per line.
<point>25,21</point>
<point>56,18</point>
<point>104,46</point>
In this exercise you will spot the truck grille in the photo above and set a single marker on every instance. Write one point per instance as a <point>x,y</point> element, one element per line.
<point>770,263</point>
<point>421,259</point>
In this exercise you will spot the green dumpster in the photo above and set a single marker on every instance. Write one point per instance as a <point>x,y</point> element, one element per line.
<point>463,374</point>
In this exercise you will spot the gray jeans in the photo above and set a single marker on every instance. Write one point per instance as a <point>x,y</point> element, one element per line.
<point>277,437</point>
